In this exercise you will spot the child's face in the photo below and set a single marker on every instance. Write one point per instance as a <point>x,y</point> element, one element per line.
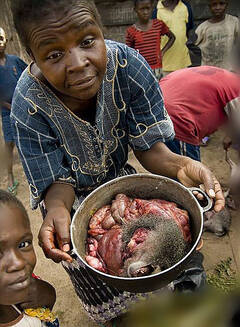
<point>144,10</point>
<point>70,52</point>
<point>17,257</point>
<point>218,7</point>
<point>3,40</point>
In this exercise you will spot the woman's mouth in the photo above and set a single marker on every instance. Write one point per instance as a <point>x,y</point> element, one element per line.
<point>83,83</point>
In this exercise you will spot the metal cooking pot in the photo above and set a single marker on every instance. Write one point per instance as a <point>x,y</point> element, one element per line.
<point>144,186</point>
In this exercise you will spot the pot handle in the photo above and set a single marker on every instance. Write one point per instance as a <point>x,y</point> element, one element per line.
<point>209,201</point>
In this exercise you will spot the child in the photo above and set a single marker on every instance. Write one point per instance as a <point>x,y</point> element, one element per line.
<point>145,36</point>
<point>76,109</point>
<point>213,100</point>
<point>19,288</point>
<point>11,68</point>
<point>217,36</point>
<point>177,15</point>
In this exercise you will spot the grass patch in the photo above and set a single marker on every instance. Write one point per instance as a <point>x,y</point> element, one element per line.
<point>224,277</point>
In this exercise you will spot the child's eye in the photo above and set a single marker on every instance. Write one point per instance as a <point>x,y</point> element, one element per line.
<point>25,244</point>
<point>55,55</point>
<point>88,42</point>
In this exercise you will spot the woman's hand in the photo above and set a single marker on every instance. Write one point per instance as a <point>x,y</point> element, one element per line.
<point>160,160</point>
<point>194,173</point>
<point>54,235</point>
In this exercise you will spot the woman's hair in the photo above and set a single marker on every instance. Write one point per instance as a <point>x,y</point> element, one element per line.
<point>30,12</point>
<point>7,198</point>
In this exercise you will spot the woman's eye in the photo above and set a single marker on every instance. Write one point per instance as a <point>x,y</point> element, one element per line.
<point>25,244</point>
<point>87,42</point>
<point>55,55</point>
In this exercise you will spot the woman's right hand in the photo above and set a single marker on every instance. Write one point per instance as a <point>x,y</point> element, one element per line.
<point>54,235</point>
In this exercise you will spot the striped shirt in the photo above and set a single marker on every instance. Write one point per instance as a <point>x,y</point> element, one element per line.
<point>148,43</point>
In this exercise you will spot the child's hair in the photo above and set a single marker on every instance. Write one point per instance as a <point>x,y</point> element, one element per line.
<point>9,199</point>
<point>27,12</point>
<point>136,2</point>
<point>209,1</point>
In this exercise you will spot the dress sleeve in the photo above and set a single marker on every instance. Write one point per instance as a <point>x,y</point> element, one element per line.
<point>40,151</point>
<point>147,119</point>
<point>129,38</point>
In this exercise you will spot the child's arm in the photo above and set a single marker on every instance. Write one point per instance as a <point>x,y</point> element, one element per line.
<point>41,294</point>
<point>199,34</point>
<point>171,40</point>
<point>160,160</point>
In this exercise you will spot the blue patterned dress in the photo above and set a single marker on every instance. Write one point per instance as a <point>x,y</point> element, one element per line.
<point>56,146</point>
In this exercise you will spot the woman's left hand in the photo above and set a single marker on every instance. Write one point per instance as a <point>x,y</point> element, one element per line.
<point>160,160</point>
<point>194,173</point>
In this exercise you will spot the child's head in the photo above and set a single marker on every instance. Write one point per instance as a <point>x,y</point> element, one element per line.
<point>65,39</point>
<point>17,257</point>
<point>218,8</point>
<point>3,40</point>
<point>144,9</point>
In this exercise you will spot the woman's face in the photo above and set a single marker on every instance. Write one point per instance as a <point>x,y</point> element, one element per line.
<point>17,257</point>
<point>70,52</point>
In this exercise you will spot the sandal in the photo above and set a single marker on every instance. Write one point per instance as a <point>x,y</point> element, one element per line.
<point>205,141</point>
<point>13,189</point>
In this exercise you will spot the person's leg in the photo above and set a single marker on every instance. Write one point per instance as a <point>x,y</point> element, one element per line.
<point>184,149</point>
<point>158,73</point>
<point>9,146</point>
<point>174,146</point>
<point>193,151</point>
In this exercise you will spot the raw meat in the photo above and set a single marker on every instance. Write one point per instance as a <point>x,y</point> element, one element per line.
<point>132,237</point>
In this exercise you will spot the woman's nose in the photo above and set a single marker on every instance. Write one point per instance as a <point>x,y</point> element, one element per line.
<point>15,261</point>
<point>77,60</point>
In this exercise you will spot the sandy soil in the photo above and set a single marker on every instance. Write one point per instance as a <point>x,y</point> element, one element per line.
<point>67,306</point>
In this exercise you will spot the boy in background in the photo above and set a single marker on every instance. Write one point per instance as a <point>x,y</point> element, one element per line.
<point>177,15</point>
<point>217,36</point>
<point>199,100</point>
<point>145,35</point>
<point>11,68</point>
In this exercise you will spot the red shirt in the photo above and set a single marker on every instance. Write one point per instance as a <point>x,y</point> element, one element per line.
<point>148,42</point>
<point>199,99</point>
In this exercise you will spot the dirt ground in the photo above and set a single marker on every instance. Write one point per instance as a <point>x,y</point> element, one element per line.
<point>67,306</point>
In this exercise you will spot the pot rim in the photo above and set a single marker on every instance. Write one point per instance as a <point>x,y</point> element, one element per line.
<point>154,176</point>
